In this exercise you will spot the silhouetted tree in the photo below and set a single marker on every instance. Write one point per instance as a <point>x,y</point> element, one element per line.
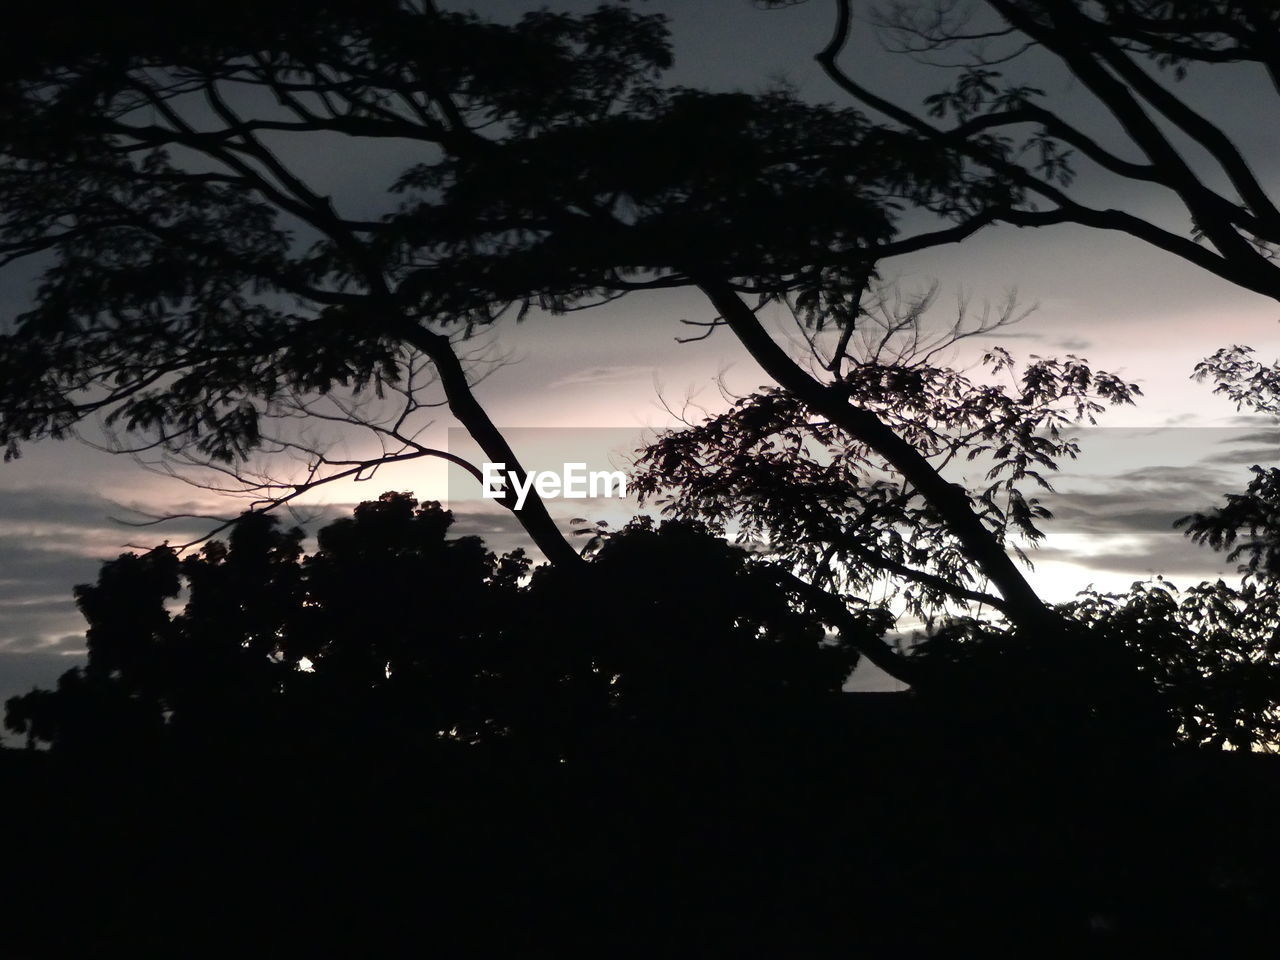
<point>672,629</point>
<point>1201,666</point>
<point>657,743</point>
<point>830,507</point>
<point>1248,525</point>
<point>228,664</point>
<point>1130,57</point>
<point>1209,651</point>
<point>831,521</point>
<point>992,123</point>
<point>201,292</point>
<point>993,126</point>
<point>202,288</point>
<point>686,634</point>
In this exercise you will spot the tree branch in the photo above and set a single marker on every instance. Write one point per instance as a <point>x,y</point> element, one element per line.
<point>979,544</point>
<point>832,609</point>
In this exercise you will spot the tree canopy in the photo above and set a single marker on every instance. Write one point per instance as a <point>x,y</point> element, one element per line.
<point>674,627</point>
<point>201,293</point>
<point>396,735</point>
<point>997,125</point>
<point>198,287</point>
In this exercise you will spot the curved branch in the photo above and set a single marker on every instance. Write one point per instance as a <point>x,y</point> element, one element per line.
<point>1022,604</point>
<point>832,609</point>
<point>932,580</point>
<point>1236,259</point>
<point>1059,128</point>
<point>463,404</point>
<point>1206,207</point>
<point>1207,134</point>
<point>272,503</point>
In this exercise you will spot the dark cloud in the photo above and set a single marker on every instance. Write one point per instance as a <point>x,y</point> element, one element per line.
<point>30,572</point>
<point>31,626</point>
<point>1140,502</point>
<point>69,644</point>
<point>52,538</point>
<point>1144,557</point>
<point>60,521</point>
<point>55,506</point>
<point>1250,421</point>
<point>54,514</point>
<point>1010,335</point>
<point>1269,436</point>
<point>1137,500</point>
<point>1073,344</point>
<point>604,374</point>
<point>1166,480</point>
<point>1109,514</point>
<point>1247,447</point>
<point>36,579</point>
<point>1249,456</point>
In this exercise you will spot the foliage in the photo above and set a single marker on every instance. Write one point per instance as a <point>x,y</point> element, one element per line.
<point>201,288</point>
<point>673,626</point>
<point>196,282</point>
<point>1248,524</point>
<point>202,294</point>
<point>993,117</point>
<point>827,505</point>
<point>228,663</point>
<point>1212,651</point>
<point>681,610</point>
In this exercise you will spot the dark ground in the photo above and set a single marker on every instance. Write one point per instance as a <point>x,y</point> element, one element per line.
<point>890,834</point>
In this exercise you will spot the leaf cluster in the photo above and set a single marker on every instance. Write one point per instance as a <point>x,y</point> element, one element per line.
<point>1246,524</point>
<point>825,502</point>
<point>392,629</point>
<point>192,273</point>
<point>1212,650</point>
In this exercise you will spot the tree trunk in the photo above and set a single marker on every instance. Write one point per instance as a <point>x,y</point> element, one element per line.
<point>1023,606</point>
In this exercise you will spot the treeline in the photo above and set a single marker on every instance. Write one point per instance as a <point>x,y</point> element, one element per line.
<point>405,743</point>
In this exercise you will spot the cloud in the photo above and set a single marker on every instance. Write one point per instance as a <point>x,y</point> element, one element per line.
<point>1249,421</point>
<point>604,374</point>
<point>1011,335</point>
<point>1170,480</point>
<point>52,538</point>
<point>36,579</point>
<point>68,644</point>
<point>1103,514</point>
<point>1249,456</point>
<point>1270,436</point>
<point>1136,506</point>
<point>25,507</point>
<point>1248,447</point>
<point>1073,344</point>
<point>1142,557</point>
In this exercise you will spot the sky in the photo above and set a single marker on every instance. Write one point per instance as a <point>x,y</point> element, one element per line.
<point>600,379</point>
